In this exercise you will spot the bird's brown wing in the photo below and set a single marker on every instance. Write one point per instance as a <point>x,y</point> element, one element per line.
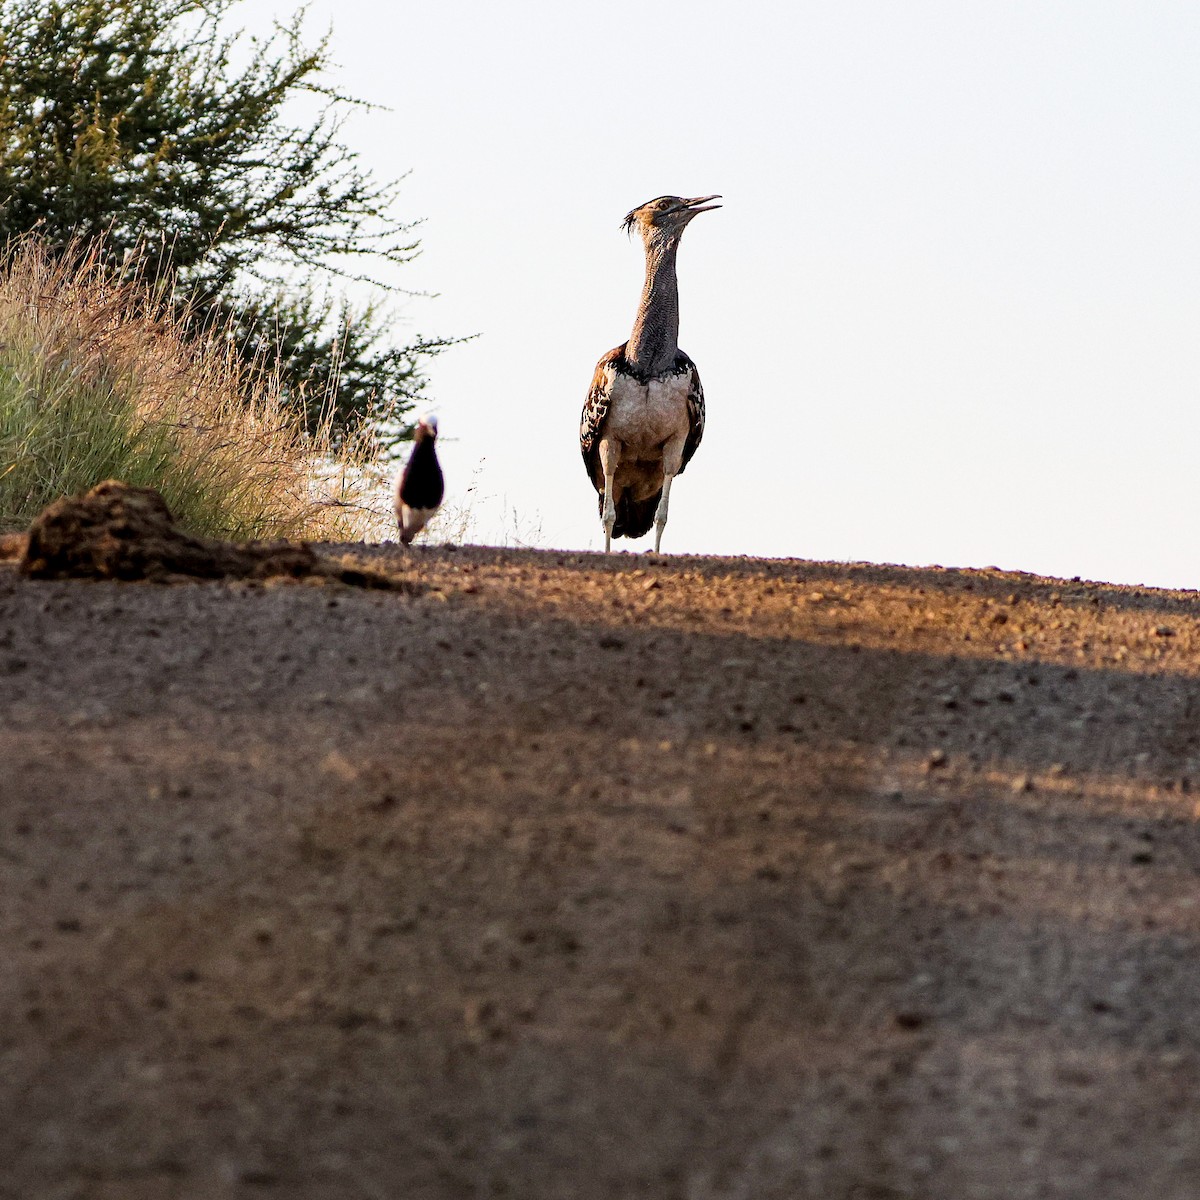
<point>695,407</point>
<point>595,413</point>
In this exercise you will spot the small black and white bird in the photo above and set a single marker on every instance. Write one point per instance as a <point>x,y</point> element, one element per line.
<point>644,414</point>
<point>420,488</point>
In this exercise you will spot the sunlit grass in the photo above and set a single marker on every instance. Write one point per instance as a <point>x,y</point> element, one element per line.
<point>100,380</point>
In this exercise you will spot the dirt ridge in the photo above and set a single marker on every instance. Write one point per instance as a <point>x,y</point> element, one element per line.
<point>572,875</point>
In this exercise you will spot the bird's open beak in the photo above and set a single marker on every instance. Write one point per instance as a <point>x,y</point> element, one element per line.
<point>701,204</point>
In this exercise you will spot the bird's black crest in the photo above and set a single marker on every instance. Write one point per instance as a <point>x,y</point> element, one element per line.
<point>631,215</point>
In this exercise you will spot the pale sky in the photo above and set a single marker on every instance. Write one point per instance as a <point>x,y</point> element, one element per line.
<point>950,312</point>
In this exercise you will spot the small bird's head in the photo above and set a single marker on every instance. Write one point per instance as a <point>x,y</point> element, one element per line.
<point>665,218</point>
<point>426,428</point>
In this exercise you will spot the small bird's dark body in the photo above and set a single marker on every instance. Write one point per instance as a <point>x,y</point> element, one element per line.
<point>422,485</point>
<point>644,413</point>
<point>420,488</point>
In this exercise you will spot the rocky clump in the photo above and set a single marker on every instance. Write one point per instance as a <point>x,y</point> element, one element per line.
<point>116,531</point>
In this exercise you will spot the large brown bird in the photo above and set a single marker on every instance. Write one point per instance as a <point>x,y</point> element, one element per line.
<point>644,415</point>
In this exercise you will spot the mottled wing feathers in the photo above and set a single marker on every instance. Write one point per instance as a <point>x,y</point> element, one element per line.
<point>695,407</point>
<point>595,412</point>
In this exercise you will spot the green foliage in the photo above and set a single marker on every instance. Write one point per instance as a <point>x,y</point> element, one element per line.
<point>100,379</point>
<point>128,122</point>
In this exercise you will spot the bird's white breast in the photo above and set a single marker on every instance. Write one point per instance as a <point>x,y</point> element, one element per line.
<point>645,415</point>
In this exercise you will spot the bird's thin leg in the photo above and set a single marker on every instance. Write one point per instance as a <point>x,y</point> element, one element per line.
<point>610,455</point>
<point>660,514</point>
<point>672,461</point>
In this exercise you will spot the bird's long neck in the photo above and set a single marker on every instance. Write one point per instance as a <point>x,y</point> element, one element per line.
<point>654,342</point>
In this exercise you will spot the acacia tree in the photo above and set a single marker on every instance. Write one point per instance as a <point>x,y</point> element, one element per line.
<point>126,122</point>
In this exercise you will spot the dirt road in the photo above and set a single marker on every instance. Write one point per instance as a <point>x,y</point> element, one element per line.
<point>573,877</point>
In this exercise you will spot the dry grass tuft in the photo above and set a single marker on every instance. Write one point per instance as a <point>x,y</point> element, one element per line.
<point>100,380</point>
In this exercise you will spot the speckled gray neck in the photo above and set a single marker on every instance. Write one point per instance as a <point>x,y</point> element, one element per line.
<point>654,342</point>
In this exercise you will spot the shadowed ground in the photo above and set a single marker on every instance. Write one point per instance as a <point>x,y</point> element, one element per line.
<point>580,877</point>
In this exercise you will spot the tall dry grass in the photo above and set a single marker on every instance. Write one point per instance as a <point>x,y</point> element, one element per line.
<point>100,380</point>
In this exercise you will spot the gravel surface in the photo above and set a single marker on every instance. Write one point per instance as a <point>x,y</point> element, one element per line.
<point>562,876</point>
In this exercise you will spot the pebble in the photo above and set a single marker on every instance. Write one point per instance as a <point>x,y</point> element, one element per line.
<point>335,763</point>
